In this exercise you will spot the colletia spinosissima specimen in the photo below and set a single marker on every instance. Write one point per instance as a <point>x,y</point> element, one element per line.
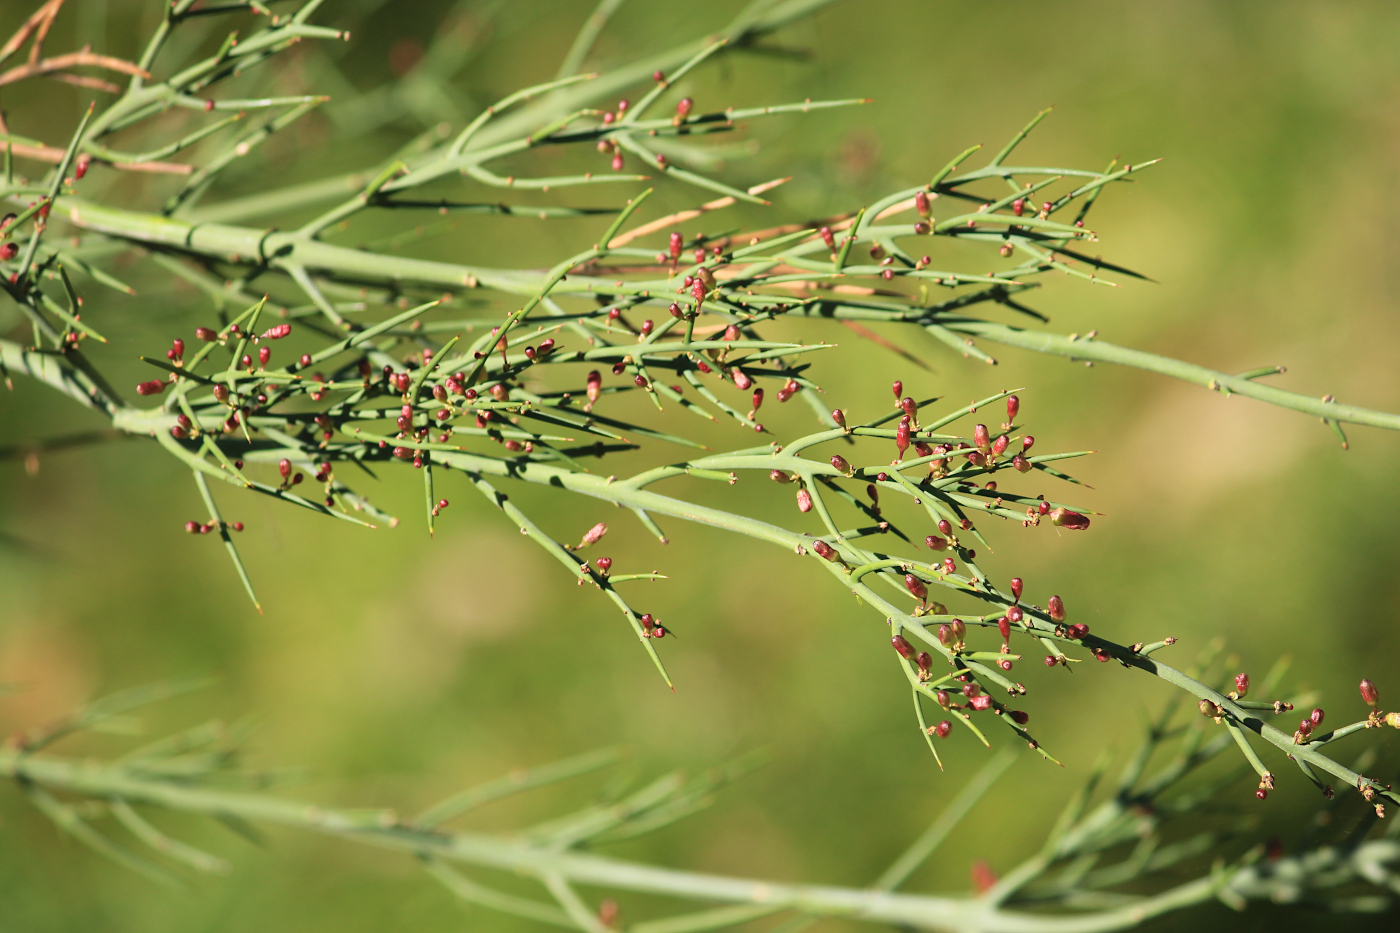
<point>354,356</point>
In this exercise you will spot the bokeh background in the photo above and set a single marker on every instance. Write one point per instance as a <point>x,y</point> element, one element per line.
<point>394,669</point>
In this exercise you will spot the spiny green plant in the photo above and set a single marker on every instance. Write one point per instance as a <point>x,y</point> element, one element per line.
<point>1114,859</point>
<point>319,359</point>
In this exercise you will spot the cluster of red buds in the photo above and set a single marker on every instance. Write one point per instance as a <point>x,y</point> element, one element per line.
<point>203,528</point>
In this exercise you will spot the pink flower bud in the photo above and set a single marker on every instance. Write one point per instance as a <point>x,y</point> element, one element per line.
<point>1242,684</point>
<point>1014,615</point>
<point>1064,518</point>
<point>901,436</point>
<point>959,628</point>
<point>981,438</point>
<point>999,445</point>
<point>1056,607</point>
<point>1369,693</point>
<point>804,501</point>
<point>901,644</point>
<point>1317,716</point>
<point>828,238</point>
<point>1027,443</point>
<point>840,463</point>
<point>153,387</point>
<point>1013,406</point>
<point>824,550</point>
<point>594,534</point>
<point>740,379</point>
<point>980,703</point>
<point>683,107</point>
<point>778,476</point>
<point>1018,206</point>
<point>922,205</point>
<point>1021,464</point>
<point>604,564</point>
<point>910,407</point>
<point>916,587</point>
<point>675,246</point>
<point>595,386</point>
<point>264,354</point>
<point>949,566</point>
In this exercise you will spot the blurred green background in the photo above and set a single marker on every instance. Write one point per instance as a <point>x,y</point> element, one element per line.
<point>395,669</point>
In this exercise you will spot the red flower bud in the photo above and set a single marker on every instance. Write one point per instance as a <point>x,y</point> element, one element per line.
<point>959,628</point>
<point>999,445</point>
<point>824,550</point>
<point>911,408</point>
<point>949,566</point>
<point>804,501</point>
<point>828,238</point>
<point>1016,587</point>
<point>1078,630</point>
<point>901,644</point>
<point>838,416</point>
<point>8,251</point>
<point>740,379</point>
<point>901,436</point>
<point>604,564</point>
<point>898,388</point>
<point>757,400</point>
<point>1261,793</point>
<point>982,702</point>
<point>1004,626</point>
<point>922,205</point>
<point>942,729</point>
<point>1044,508</point>
<point>403,453</point>
<point>944,527</point>
<point>1305,728</point>
<point>1064,518</point>
<point>1020,717</point>
<point>916,587</point>
<point>264,354</point>
<point>1242,684</point>
<point>1369,693</point>
<point>1317,716</point>
<point>192,527</point>
<point>840,463</point>
<point>935,543</point>
<point>1021,464</point>
<point>1014,614</point>
<point>1056,607</point>
<point>594,386</point>
<point>683,107</point>
<point>153,387</point>
<point>945,636</point>
<point>285,468</point>
<point>942,698</point>
<point>1027,443</point>
<point>778,476</point>
<point>925,661</point>
<point>1018,206</point>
